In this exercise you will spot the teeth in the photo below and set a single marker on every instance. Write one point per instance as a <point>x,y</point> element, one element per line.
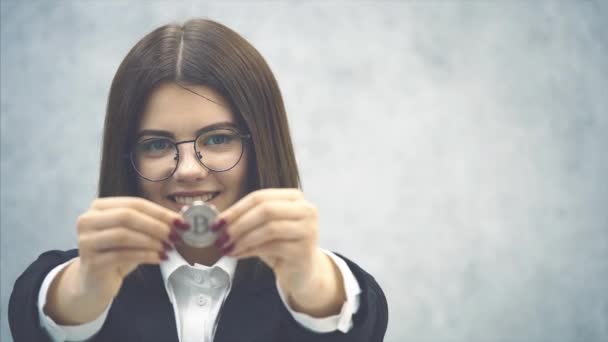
<point>188,200</point>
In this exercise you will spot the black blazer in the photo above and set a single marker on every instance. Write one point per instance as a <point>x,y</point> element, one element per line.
<point>142,312</point>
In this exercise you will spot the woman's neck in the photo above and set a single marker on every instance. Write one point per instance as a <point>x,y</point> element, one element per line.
<point>205,256</point>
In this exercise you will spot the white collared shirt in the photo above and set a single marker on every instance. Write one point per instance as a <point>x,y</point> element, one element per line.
<point>197,293</point>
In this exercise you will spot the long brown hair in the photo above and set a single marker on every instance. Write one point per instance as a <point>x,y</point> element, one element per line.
<point>199,52</point>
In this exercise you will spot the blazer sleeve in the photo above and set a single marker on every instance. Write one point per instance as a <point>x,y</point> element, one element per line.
<point>23,304</point>
<point>369,323</point>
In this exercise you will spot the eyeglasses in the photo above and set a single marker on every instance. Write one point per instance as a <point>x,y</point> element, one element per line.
<point>156,159</point>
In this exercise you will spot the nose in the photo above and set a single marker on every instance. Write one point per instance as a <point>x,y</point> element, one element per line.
<point>189,168</point>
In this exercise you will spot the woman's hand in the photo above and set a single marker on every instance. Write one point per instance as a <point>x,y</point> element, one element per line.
<point>115,235</point>
<point>281,228</point>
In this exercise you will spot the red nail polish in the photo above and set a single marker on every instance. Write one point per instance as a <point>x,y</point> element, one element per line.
<point>221,240</point>
<point>163,256</point>
<point>217,225</point>
<point>227,249</point>
<point>174,237</point>
<point>166,246</point>
<point>180,224</point>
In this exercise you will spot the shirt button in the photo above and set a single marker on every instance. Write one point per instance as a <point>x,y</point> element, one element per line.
<point>202,301</point>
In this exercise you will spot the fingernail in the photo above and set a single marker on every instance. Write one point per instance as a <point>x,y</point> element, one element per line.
<point>166,246</point>
<point>227,249</point>
<point>217,225</point>
<point>221,240</point>
<point>163,256</point>
<point>174,237</point>
<point>181,224</point>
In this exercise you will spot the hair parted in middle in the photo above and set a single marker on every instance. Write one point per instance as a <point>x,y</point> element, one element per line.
<point>205,53</point>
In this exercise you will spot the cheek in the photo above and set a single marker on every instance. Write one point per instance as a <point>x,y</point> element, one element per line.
<point>244,172</point>
<point>237,179</point>
<point>149,190</point>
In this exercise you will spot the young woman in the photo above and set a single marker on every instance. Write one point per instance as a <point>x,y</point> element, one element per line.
<point>194,113</point>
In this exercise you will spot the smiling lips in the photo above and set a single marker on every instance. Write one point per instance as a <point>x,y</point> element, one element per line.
<point>187,200</point>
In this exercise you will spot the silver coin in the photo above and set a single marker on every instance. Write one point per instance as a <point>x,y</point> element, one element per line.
<point>200,216</point>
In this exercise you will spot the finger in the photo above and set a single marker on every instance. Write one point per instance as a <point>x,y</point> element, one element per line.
<point>124,217</point>
<point>139,204</point>
<point>257,197</point>
<point>275,249</point>
<point>119,238</point>
<point>284,230</point>
<point>113,258</point>
<point>268,211</point>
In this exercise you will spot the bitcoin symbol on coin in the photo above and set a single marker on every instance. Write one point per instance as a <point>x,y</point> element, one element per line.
<point>199,215</point>
<point>201,224</point>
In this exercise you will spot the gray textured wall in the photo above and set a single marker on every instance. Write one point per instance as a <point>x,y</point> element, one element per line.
<point>456,150</point>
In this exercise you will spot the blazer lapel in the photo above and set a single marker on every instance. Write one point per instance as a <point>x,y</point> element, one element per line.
<point>249,313</point>
<point>154,316</point>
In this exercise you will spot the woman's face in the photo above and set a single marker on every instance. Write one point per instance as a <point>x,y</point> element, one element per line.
<point>177,113</point>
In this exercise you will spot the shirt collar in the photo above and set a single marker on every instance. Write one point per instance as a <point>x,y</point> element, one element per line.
<point>175,261</point>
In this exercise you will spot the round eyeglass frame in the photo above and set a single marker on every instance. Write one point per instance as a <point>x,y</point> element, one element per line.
<point>199,157</point>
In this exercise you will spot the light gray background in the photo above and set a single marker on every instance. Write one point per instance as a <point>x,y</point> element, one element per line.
<point>456,150</point>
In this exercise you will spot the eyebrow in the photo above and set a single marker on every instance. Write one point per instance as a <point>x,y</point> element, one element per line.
<point>168,134</point>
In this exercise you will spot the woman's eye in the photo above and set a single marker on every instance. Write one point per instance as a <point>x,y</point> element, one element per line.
<point>217,139</point>
<point>156,145</point>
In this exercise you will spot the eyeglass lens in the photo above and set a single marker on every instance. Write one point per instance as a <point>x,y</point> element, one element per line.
<point>157,158</point>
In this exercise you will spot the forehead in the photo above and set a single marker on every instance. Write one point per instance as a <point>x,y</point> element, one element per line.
<point>183,111</point>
